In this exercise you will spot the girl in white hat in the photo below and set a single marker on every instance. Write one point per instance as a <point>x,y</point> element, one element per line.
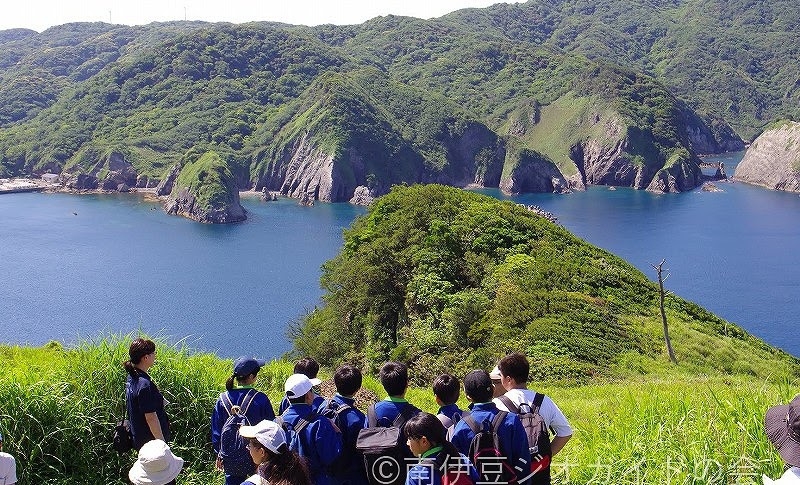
<point>277,464</point>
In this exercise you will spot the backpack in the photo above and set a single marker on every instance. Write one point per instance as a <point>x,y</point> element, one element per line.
<point>453,474</point>
<point>535,429</point>
<point>449,424</point>
<point>484,451</point>
<point>233,452</point>
<point>384,448</point>
<point>336,412</point>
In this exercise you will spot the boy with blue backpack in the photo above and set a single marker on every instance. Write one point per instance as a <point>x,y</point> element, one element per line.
<point>348,469</point>
<point>311,435</point>
<point>493,440</point>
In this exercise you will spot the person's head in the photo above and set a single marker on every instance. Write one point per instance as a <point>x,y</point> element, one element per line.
<point>348,380</point>
<point>308,367</point>
<point>262,437</point>
<point>155,465</point>
<point>394,378</point>
<point>423,432</point>
<point>245,371</point>
<point>478,386</point>
<point>298,389</point>
<point>142,354</point>
<point>782,426</point>
<point>497,382</point>
<point>269,450</point>
<point>446,389</point>
<point>514,369</point>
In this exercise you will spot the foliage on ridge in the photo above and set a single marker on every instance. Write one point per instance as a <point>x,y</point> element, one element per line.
<point>450,280</point>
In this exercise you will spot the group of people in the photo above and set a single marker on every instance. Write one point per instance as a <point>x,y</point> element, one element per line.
<point>508,435</point>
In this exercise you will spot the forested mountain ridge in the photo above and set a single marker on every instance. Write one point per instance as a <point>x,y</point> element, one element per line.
<point>77,93</point>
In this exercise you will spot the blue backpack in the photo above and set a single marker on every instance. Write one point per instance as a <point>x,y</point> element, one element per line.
<point>233,451</point>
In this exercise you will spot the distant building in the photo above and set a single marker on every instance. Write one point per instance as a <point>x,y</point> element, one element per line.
<point>50,178</point>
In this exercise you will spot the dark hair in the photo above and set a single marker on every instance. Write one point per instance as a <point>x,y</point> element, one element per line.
<point>307,366</point>
<point>515,366</point>
<point>394,378</point>
<point>284,468</point>
<point>347,379</point>
<point>429,426</point>
<point>239,379</point>
<point>138,349</point>
<point>446,388</point>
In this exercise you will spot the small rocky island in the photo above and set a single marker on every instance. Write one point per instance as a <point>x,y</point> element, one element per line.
<point>203,190</point>
<point>773,160</point>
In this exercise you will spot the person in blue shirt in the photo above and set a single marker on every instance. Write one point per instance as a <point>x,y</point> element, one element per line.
<point>317,441</point>
<point>513,441</point>
<point>310,368</point>
<point>349,469</point>
<point>394,378</point>
<point>446,390</point>
<point>437,456</point>
<point>145,403</point>
<point>257,406</point>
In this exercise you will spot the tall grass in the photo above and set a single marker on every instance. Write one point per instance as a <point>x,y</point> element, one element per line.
<point>57,408</point>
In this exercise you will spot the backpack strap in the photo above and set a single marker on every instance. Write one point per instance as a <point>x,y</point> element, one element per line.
<point>372,417</point>
<point>538,399</point>
<point>301,423</point>
<point>498,420</point>
<point>247,400</point>
<point>226,402</point>
<point>407,413</point>
<point>509,404</point>
<point>473,425</point>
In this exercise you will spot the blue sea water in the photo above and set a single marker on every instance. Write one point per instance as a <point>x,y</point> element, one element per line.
<point>76,267</point>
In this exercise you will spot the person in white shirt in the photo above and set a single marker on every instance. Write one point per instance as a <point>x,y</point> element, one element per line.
<point>782,426</point>
<point>514,369</point>
<point>8,467</point>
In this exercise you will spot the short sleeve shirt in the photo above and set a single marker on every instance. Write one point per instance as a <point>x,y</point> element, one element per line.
<point>553,417</point>
<point>8,469</point>
<point>143,397</point>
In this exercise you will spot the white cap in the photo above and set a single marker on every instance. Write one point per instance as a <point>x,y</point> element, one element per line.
<point>298,385</point>
<point>268,433</point>
<point>495,374</point>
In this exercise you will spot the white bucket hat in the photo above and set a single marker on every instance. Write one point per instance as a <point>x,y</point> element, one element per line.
<point>156,465</point>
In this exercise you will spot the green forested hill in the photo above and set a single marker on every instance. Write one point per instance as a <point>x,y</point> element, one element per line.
<point>671,77</point>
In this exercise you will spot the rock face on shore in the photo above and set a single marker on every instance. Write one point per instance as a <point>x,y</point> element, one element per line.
<point>773,160</point>
<point>205,191</point>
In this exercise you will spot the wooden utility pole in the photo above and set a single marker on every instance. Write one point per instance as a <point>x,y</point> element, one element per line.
<point>659,270</point>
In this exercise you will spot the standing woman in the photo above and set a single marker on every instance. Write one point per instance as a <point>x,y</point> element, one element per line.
<point>253,404</point>
<point>143,399</point>
<point>277,464</point>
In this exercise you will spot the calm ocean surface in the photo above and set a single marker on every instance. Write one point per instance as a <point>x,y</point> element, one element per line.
<point>120,264</point>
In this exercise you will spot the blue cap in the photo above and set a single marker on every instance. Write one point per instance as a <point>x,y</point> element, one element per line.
<point>244,366</point>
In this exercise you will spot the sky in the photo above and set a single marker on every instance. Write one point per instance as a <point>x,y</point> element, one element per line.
<point>41,14</point>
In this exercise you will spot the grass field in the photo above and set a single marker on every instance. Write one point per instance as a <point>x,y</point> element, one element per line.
<point>666,425</point>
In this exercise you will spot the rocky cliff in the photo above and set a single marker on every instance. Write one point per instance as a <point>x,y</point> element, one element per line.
<point>773,160</point>
<point>206,192</point>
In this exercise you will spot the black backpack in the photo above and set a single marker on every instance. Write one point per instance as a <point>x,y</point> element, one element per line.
<point>233,452</point>
<point>484,451</point>
<point>336,412</point>
<point>536,430</point>
<point>384,448</point>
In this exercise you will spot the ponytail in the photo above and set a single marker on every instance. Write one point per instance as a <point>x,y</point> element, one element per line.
<point>229,382</point>
<point>130,368</point>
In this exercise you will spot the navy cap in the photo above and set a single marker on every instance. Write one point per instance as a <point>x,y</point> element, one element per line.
<point>244,366</point>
